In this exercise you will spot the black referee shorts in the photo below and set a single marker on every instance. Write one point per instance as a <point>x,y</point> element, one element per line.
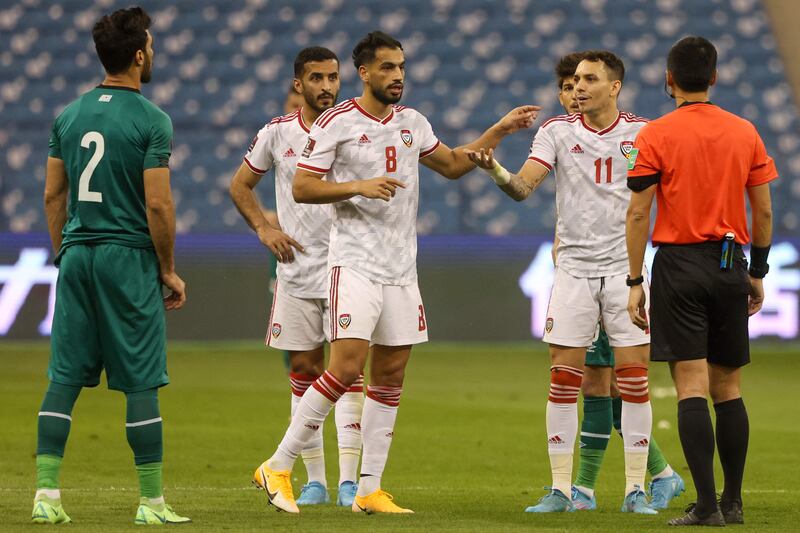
<point>698,311</point>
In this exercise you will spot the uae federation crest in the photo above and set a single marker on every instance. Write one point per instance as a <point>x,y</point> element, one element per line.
<point>344,320</point>
<point>548,325</point>
<point>407,138</point>
<point>276,330</point>
<point>625,147</point>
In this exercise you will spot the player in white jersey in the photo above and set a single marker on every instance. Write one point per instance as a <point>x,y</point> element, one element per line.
<point>299,310</point>
<point>602,404</point>
<point>374,297</point>
<point>588,151</point>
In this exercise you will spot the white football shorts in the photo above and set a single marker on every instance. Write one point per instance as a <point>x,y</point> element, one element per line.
<point>389,315</point>
<point>576,304</point>
<point>296,324</point>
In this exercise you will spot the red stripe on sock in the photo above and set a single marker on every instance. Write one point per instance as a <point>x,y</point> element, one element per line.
<point>386,395</point>
<point>632,383</point>
<point>301,382</point>
<point>329,386</point>
<point>565,384</point>
<point>358,385</point>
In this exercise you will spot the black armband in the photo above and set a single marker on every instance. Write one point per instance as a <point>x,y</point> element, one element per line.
<point>640,183</point>
<point>758,261</point>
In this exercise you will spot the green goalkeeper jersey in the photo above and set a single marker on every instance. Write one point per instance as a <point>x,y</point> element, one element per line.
<point>107,138</point>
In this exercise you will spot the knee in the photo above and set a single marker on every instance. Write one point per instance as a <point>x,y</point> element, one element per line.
<point>723,392</point>
<point>596,382</point>
<point>308,363</point>
<point>391,376</point>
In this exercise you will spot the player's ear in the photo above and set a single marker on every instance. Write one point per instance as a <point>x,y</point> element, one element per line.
<point>713,78</point>
<point>363,73</point>
<point>138,58</point>
<point>298,86</point>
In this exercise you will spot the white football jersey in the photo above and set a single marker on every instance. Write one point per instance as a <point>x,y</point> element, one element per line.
<point>346,144</point>
<point>278,145</point>
<point>591,171</point>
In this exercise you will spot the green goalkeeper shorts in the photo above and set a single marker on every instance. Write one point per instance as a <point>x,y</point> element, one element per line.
<point>109,314</point>
<point>600,352</point>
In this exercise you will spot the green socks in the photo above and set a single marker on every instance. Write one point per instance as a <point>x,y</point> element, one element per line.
<point>143,428</point>
<point>595,433</point>
<point>150,480</point>
<point>47,469</point>
<point>656,462</point>
<point>55,419</point>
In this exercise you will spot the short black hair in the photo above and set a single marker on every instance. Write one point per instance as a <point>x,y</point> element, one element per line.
<point>312,53</point>
<point>364,52</point>
<point>565,68</point>
<point>614,65</point>
<point>118,36</point>
<point>692,62</point>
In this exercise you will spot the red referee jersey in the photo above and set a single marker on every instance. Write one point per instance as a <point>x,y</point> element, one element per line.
<point>702,158</point>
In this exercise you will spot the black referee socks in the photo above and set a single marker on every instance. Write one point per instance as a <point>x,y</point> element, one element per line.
<point>697,441</point>
<point>733,435</point>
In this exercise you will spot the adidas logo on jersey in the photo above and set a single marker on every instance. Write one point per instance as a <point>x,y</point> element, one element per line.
<point>364,139</point>
<point>289,153</point>
<point>576,149</point>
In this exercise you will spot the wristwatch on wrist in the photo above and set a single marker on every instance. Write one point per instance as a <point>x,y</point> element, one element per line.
<point>634,282</point>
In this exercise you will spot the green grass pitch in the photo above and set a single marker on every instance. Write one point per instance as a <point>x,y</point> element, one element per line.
<point>469,451</point>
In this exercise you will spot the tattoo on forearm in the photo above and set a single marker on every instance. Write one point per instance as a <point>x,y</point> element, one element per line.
<point>518,188</point>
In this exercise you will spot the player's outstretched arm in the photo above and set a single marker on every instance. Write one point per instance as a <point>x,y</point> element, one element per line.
<point>55,200</point>
<point>161,222</point>
<point>270,234</point>
<point>309,188</point>
<point>518,186</point>
<point>452,163</point>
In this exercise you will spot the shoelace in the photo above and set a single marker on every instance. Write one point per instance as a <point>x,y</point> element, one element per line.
<point>384,493</point>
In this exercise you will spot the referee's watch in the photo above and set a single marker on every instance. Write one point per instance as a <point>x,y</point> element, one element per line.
<point>634,282</point>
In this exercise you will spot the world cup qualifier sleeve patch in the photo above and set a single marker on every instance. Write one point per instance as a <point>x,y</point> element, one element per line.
<point>634,153</point>
<point>309,147</point>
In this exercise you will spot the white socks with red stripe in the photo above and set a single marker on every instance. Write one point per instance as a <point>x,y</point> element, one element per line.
<point>637,422</point>
<point>562,424</point>
<point>313,454</point>
<point>307,421</point>
<point>348,429</point>
<point>380,413</point>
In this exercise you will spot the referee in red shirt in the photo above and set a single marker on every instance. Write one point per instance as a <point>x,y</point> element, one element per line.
<point>699,161</point>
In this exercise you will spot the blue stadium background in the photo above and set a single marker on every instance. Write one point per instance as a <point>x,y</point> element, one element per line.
<point>222,69</point>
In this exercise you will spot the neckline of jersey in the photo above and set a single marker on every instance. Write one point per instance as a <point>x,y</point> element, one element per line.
<point>373,117</point>
<point>687,104</point>
<point>606,129</point>
<point>119,88</point>
<point>301,121</point>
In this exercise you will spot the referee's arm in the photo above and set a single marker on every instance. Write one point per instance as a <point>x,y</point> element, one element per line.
<point>761,216</point>
<point>637,229</point>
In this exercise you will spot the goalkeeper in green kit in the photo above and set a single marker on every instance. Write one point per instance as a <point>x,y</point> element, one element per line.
<point>112,224</point>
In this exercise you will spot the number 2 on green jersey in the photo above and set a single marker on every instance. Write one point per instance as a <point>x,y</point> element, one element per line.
<point>84,194</point>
